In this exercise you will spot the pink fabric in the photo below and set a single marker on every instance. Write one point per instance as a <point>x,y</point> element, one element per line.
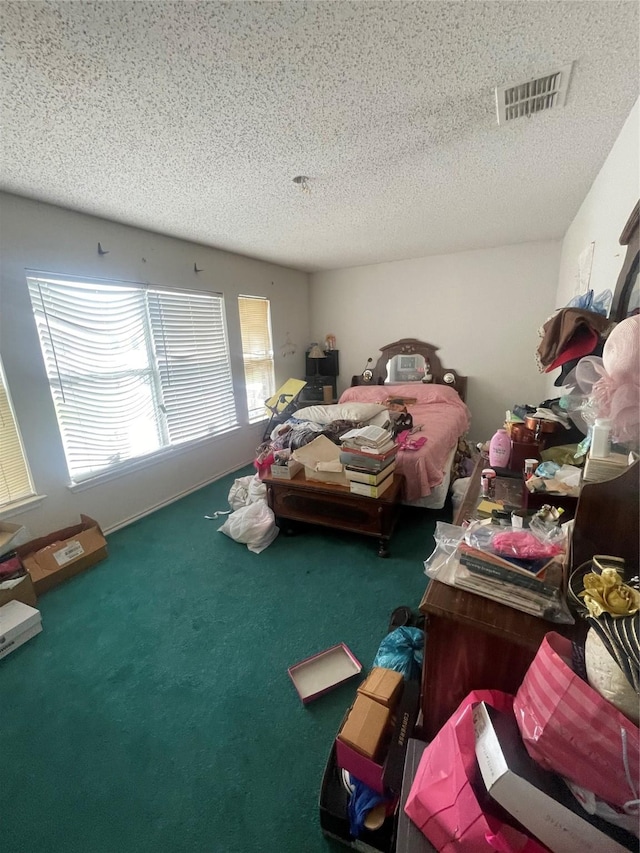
<point>444,418</point>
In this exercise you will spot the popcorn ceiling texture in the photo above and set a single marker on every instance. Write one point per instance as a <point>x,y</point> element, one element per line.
<point>191,119</point>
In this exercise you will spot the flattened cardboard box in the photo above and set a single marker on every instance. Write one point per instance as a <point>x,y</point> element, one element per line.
<point>58,556</point>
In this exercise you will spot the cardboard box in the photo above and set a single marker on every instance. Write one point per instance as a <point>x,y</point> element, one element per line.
<point>409,838</point>
<point>321,460</point>
<point>288,471</point>
<point>54,558</point>
<point>365,727</point>
<point>334,814</point>
<point>18,623</point>
<point>536,798</point>
<point>383,686</point>
<point>316,675</point>
<point>20,589</point>
<point>12,535</point>
<point>385,773</point>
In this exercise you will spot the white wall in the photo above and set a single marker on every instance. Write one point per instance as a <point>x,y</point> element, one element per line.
<point>42,237</point>
<point>481,308</point>
<point>602,216</point>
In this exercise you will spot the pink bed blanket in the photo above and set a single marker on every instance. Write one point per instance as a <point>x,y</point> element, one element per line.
<point>443,417</point>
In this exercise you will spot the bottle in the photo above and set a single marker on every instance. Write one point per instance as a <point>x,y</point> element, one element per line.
<point>500,449</point>
<point>600,438</point>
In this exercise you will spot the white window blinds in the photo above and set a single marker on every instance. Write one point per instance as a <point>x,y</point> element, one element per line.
<point>257,352</point>
<point>133,369</point>
<point>15,482</point>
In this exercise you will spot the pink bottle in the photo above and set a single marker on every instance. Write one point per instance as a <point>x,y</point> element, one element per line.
<point>500,449</point>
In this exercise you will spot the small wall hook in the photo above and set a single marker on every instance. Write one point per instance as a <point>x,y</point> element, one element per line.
<point>102,251</point>
<point>195,268</point>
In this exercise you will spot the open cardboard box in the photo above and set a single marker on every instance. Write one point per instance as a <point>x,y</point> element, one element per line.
<point>19,589</point>
<point>60,555</point>
<point>385,772</point>
<point>318,456</point>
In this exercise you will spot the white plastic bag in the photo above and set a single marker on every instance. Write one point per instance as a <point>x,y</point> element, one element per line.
<point>239,492</point>
<point>253,525</point>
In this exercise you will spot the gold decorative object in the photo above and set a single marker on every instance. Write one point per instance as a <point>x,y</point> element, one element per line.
<point>607,593</point>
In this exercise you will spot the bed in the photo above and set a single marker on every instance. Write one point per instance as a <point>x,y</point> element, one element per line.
<point>407,370</point>
<point>410,369</point>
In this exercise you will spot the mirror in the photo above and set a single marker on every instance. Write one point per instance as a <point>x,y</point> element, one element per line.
<point>408,368</point>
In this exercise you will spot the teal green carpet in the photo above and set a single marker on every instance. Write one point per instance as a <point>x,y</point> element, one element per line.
<point>155,712</point>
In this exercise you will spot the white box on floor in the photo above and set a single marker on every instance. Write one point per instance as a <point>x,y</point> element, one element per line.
<point>540,800</point>
<point>18,623</point>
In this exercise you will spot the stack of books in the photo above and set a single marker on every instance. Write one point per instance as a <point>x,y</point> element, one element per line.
<point>369,458</point>
<point>529,585</point>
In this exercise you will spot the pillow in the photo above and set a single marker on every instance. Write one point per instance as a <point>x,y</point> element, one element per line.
<point>339,412</point>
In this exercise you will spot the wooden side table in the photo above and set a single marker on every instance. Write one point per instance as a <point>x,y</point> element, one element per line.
<point>471,642</point>
<point>333,505</point>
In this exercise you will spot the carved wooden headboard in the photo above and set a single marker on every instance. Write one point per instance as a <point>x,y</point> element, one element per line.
<point>412,346</point>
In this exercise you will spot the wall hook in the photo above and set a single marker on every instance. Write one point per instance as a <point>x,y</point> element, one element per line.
<point>102,251</point>
<point>195,268</point>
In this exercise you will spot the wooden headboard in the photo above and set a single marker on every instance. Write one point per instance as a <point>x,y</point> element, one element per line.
<point>412,346</point>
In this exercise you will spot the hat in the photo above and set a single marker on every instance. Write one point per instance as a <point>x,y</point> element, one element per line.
<point>568,366</point>
<point>617,393</point>
<point>583,342</point>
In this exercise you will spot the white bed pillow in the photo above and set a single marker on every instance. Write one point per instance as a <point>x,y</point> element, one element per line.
<point>339,412</point>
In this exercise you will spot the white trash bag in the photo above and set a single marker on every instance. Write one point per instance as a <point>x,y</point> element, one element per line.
<point>253,525</point>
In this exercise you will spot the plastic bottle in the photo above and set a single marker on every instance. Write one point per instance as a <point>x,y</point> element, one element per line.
<point>500,449</point>
<point>601,438</point>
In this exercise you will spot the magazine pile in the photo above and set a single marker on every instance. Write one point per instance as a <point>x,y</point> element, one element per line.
<point>522,568</point>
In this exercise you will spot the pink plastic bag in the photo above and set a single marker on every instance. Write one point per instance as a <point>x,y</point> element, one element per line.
<point>569,728</point>
<point>442,801</point>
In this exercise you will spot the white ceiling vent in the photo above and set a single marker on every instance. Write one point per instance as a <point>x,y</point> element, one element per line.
<point>534,96</point>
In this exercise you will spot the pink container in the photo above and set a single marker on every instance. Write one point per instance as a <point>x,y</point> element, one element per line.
<point>500,449</point>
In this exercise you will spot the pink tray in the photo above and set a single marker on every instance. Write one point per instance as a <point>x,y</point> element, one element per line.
<point>317,675</point>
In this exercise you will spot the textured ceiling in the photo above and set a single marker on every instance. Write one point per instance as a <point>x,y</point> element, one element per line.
<point>192,118</point>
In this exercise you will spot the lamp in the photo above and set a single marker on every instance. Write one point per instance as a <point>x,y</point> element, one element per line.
<point>316,353</point>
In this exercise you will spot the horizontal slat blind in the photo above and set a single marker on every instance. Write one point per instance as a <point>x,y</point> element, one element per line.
<point>193,360</point>
<point>15,482</point>
<point>130,368</point>
<point>257,352</point>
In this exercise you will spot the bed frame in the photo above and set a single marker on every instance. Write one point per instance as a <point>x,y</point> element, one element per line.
<point>412,346</point>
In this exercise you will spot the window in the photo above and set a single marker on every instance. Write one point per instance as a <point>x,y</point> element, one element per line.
<point>257,352</point>
<point>133,369</point>
<point>15,482</point>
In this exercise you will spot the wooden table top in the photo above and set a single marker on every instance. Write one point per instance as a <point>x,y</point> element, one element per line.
<point>301,483</point>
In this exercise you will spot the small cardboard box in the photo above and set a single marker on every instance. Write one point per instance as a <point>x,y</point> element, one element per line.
<point>321,460</point>
<point>385,774</point>
<point>287,471</point>
<point>58,556</point>
<point>20,589</point>
<point>365,727</point>
<point>18,623</point>
<point>383,686</point>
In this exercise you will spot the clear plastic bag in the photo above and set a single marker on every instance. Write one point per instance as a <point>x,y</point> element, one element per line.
<point>545,600</point>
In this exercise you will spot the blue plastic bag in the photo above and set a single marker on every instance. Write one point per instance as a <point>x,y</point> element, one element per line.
<point>403,651</point>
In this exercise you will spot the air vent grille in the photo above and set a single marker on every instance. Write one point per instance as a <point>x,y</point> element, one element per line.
<point>534,96</point>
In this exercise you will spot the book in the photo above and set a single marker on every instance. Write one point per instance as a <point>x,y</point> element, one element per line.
<point>538,799</point>
<point>360,456</point>
<point>371,491</point>
<point>490,570</point>
<point>368,436</point>
<point>527,568</point>
<point>371,478</point>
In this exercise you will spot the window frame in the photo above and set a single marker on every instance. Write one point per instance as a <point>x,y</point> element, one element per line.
<point>266,356</point>
<point>168,448</point>
<point>10,431</point>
